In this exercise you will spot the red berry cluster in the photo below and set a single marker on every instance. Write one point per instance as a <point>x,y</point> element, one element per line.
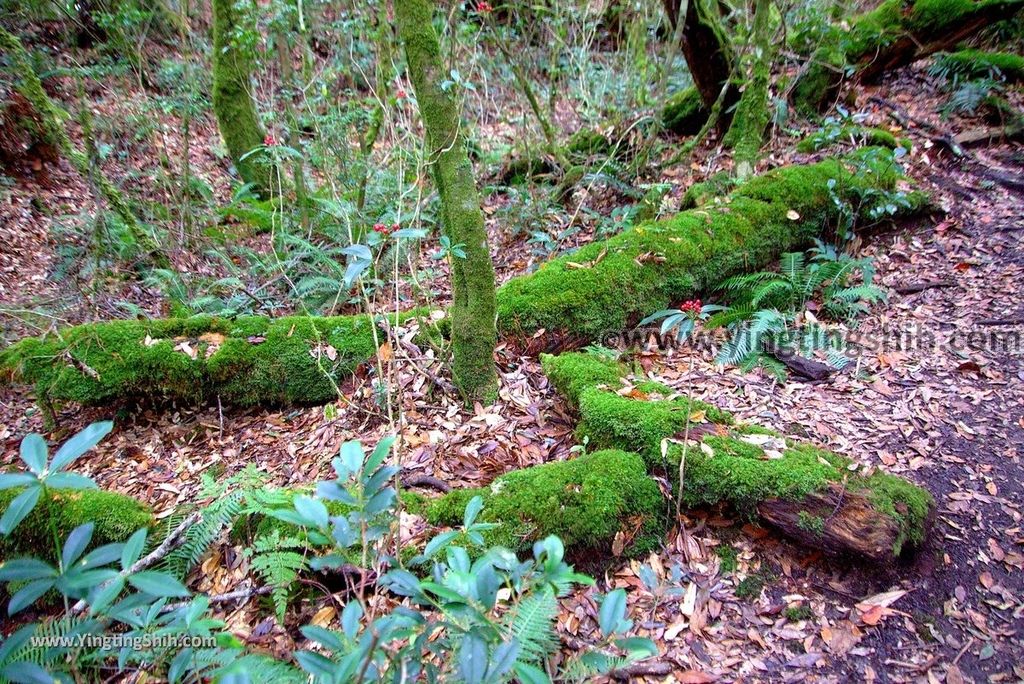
<point>484,7</point>
<point>692,307</point>
<point>383,229</point>
<point>269,140</point>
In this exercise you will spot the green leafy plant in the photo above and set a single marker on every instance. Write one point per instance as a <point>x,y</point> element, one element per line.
<point>772,310</point>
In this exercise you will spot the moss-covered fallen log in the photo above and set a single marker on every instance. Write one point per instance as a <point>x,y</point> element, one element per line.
<point>587,502</point>
<point>852,135</point>
<point>115,518</point>
<point>608,286</point>
<point>811,494</point>
<point>893,34</point>
<point>248,360</point>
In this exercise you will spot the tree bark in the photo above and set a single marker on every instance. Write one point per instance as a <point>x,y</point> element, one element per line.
<point>708,56</point>
<point>56,135</point>
<point>233,105</point>
<point>474,335</point>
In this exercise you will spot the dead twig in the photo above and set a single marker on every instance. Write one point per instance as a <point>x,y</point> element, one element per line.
<point>914,288</point>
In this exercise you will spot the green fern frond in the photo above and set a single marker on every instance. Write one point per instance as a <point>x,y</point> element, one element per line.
<point>532,625</point>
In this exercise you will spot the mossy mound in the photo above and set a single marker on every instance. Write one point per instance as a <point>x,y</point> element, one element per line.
<point>699,194</point>
<point>610,285</point>
<point>979,64</point>
<point>248,360</point>
<point>684,113</point>
<point>586,142</point>
<point>852,135</point>
<point>743,466</point>
<point>115,516</point>
<point>585,501</point>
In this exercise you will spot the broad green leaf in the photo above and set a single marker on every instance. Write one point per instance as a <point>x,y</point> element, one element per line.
<point>157,584</point>
<point>613,610</point>
<point>33,453</point>
<point>79,444</point>
<point>19,508</point>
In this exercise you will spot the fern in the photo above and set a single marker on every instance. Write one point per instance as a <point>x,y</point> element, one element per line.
<point>532,626</point>
<point>278,561</point>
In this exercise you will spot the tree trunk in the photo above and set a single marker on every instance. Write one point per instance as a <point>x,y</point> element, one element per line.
<point>233,105</point>
<point>746,134</point>
<point>52,121</point>
<point>473,294</point>
<point>708,55</point>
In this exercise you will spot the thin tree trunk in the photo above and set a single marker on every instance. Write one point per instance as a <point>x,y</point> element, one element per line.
<point>473,294</point>
<point>708,55</point>
<point>56,135</point>
<point>233,105</point>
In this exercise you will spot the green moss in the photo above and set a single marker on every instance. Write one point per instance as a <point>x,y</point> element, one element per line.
<point>608,286</point>
<point>587,142</point>
<point>727,557</point>
<point>810,522</point>
<point>751,587</point>
<point>684,113</point>
<point>730,466</point>
<point>699,194</point>
<point>574,372</point>
<point>746,132</point>
<point>585,501</point>
<point>906,503</point>
<point>798,613</point>
<point>611,421</point>
<point>654,387</point>
<point>819,84</point>
<point>249,360</point>
<point>979,64</point>
<point>115,516</point>
<point>857,135</point>
<point>474,335</point>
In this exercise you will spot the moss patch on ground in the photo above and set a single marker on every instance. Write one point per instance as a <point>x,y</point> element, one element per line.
<point>115,516</point>
<point>586,501</point>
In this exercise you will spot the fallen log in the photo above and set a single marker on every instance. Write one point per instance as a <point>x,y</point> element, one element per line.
<point>607,287</point>
<point>810,494</point>
<point>245,361</point>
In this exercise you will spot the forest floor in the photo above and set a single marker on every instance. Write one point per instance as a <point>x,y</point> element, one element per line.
<point>937,396</point>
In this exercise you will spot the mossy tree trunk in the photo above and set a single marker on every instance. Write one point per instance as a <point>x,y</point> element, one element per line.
<point>708,54</point>
<point>746,133</point>
<point>52,120</point>
<point>233,104</point>
<point>474,335</point>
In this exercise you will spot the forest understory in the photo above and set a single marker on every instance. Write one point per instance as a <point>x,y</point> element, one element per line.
<point>935,396</point>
